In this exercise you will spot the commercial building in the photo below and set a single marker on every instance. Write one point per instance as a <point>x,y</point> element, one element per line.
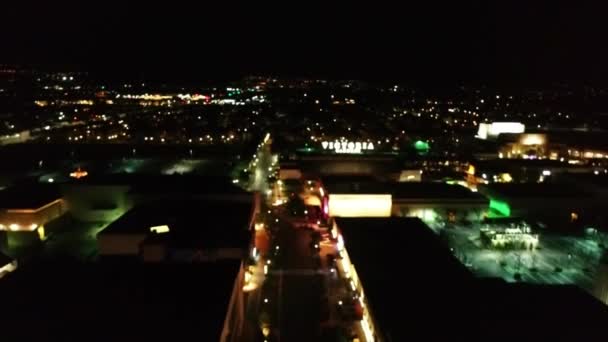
<point>403,270</point>
<point>568,146</point>
<point>519,170</point>
<point>348,164</point>
<point>357,196</point>
<point>494,129</point>
<point>24,210</point>
<point>104,198</point>
<point>96,201</point>
<point>136,301</point>
<point>430,201</point>
<point>550,201</point>
<point>186,231</point>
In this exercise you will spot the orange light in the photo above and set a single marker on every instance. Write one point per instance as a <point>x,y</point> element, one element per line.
<point>78,174</point>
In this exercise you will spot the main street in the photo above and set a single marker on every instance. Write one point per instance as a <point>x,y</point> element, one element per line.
<point>297,289</point>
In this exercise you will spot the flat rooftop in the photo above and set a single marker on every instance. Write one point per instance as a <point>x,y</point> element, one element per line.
<point>29,196</point>
<point>353,184</point>
<point>406,271</point>
<point>155,183</point>
<point>202,223</point>
<point>117,300</point>
<point>534,190</point>
<point>433,190</point>
<point>399,190</point>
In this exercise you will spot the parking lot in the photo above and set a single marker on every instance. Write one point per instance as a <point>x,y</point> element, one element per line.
<point>558,259</point>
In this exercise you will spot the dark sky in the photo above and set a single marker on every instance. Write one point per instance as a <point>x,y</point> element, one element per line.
<point>506,41</point>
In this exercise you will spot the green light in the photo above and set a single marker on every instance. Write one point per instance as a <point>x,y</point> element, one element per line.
<point>421,145</point>
<point>501,207</point>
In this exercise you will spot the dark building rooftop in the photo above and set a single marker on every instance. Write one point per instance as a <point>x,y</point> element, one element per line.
<point>30,196</point>
<point>191,223</point>
<point>534,190</point>
<point>433,190</point>
<point>61,302</point>
<point>353,184</point>
<point>406,190</point>
<point>153,183</point>
<point>418,291</point>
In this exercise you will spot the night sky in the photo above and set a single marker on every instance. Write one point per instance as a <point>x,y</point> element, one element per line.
<point>435,42</point>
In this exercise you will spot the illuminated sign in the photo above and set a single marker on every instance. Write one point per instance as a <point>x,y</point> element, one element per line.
<point>344,146</point>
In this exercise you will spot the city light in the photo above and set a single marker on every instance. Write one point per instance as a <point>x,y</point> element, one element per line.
<point>159,229</point>
<point>79,174</point>
<point>501,207</point>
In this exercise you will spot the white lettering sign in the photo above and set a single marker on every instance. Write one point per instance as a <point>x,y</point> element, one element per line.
<point>344,146</point>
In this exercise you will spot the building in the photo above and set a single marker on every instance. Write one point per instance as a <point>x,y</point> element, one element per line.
<point>180,230</point>
<point>525,145</point>
<point>519,170</point>
<point>402,269</point>
<point>104,198</point>
<point>96,201</point>
<point>494,129</point>
<point>405,270</point>
<point>574,147</point>
<point>25,210</point>
<point>139,301</point>
<point>547,201</point>
<point>357,196</point>
<point>431,201</point>
<point>348,164</point>
<point>435,201</point>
